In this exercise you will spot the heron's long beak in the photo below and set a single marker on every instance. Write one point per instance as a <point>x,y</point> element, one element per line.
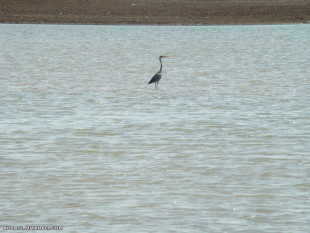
<point>164,56</point>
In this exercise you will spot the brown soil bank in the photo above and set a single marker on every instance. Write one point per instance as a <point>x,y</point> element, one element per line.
<point>185,12</point>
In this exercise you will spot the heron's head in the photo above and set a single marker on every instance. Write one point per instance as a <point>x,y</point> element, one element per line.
<point>160,57</point>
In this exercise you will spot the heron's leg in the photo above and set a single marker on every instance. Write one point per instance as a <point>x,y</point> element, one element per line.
<point>156,85</point>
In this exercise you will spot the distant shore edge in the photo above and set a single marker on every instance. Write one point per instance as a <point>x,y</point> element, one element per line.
<point>158,12</point>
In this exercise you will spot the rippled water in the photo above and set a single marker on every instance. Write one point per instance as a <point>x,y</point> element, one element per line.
<point>222,146</point>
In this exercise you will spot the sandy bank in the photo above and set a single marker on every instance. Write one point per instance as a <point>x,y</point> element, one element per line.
<point>155,11</point>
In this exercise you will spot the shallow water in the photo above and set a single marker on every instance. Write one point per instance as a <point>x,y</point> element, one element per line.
<point>222,146</point>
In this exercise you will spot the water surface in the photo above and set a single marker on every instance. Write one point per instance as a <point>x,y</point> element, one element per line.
<point>222,146</point>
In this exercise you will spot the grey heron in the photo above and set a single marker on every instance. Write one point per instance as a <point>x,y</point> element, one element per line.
<point>155,79</point>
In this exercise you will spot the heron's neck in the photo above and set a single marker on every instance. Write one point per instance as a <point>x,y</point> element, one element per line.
<point>161,66</point>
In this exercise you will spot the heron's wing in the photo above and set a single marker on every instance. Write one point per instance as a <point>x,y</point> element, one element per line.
<point>155,78</point>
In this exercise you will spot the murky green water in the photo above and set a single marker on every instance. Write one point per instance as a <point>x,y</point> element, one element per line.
<point>222,146</point>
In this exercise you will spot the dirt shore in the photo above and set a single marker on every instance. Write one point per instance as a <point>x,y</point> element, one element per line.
<point>174,12</point>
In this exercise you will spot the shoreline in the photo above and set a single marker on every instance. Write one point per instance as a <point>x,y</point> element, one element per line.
<point>155,12</point>
<point>164,25</point>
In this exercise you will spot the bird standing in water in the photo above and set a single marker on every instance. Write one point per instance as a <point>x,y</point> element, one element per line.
<point>157,76</point>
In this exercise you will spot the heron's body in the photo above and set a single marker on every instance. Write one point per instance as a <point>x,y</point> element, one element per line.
<point>155,79</point>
